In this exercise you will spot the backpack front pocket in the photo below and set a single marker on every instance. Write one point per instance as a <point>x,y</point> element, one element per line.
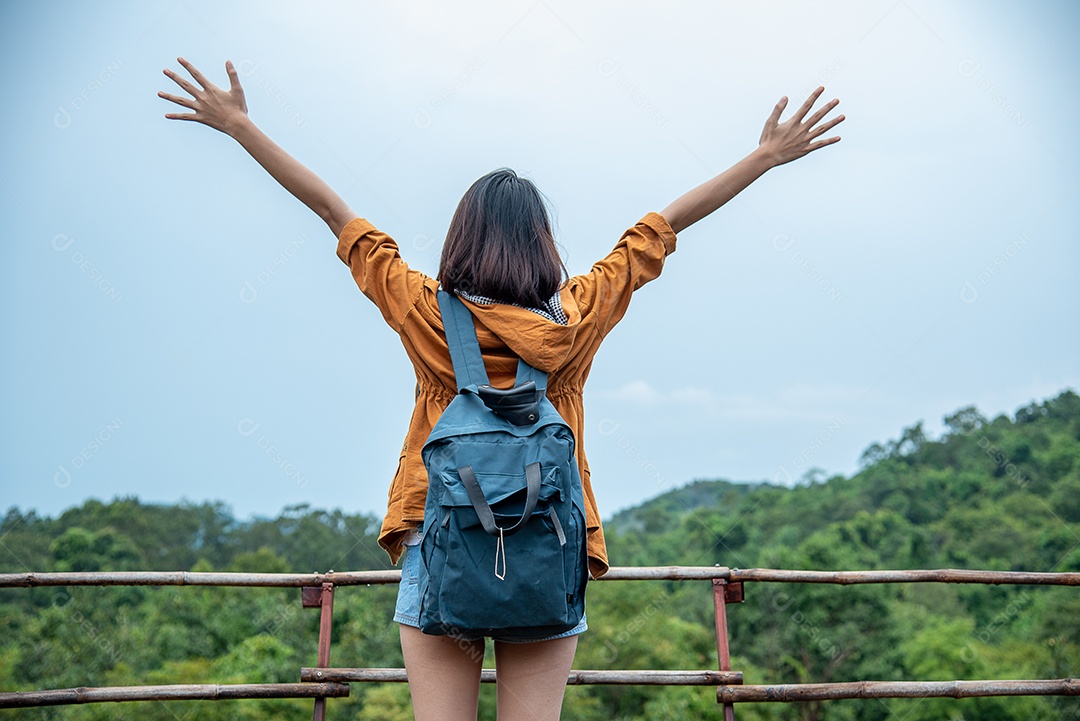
<point>490,582</point>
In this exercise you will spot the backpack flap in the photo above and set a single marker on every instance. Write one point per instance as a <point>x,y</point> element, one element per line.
<point>504,493</point>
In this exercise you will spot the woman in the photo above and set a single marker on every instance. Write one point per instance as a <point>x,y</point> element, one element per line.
<point>500,258</point>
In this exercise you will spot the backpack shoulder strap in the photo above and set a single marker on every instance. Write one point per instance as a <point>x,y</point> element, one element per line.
<point>465,348</point>
<point>461,337</point>
<point>526,372</point>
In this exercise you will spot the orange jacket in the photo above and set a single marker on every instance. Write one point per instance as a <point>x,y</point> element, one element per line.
<point>593,302</point>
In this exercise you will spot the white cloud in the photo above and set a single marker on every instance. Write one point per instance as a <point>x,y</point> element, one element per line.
<point>801,402</point>
<point>638,391</point>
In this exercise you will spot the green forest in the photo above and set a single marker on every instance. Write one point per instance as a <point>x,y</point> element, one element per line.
<point>997,494</point>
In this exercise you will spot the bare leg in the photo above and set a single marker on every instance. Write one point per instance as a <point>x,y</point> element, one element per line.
<point>532,678</point>
<point>444,675</point>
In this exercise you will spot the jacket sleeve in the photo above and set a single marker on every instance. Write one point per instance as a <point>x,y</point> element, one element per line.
<point>379,271</point>
<point>638,257</point>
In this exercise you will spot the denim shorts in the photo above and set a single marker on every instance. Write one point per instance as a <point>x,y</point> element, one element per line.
<point>407,610</point>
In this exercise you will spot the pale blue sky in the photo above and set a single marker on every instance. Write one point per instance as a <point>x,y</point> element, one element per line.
<point>177,326</point>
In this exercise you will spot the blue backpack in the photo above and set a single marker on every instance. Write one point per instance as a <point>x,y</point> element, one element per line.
<point>503,546</point>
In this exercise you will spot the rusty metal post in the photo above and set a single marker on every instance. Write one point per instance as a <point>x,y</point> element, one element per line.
<point>322,598</point>
<point>724,593</point>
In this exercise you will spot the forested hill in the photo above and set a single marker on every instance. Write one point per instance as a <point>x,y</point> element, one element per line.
<point>992,494</point>
<point>1000,494</point>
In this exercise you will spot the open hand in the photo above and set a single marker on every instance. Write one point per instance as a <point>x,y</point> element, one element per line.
<point>794,138</point>
<point>220,109</point>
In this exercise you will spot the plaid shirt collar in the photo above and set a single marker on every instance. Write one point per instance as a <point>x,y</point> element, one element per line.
<point>552,309</point>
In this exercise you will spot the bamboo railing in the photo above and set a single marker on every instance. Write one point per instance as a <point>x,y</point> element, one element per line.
<point>322,682</point>
<point>175,692</point>
<point>615,573</point>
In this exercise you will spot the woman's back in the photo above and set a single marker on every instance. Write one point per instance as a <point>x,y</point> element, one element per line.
<point>592,304</point>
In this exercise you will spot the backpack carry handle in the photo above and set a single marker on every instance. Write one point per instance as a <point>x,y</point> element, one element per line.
<point>483,510</point>
<point>520,405</point>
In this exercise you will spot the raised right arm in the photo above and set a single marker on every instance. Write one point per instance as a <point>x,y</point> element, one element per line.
<point>294,176</point>
<point>226,111</point>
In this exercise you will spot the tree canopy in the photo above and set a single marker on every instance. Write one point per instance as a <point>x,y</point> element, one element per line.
<point>992,494</point>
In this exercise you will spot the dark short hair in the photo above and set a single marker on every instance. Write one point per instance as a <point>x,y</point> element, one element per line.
<point>500,243</point>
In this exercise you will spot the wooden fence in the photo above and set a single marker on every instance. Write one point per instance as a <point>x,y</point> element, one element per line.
<point>322,681</point>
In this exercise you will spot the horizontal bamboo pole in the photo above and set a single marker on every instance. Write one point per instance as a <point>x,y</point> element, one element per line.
<point>665,573</point>
<point>897,689</point>
<point>176,692</point>
<point>941,575</point>
<point>577,677</point>
<point>192,578</point>
<point>843,578</point>
<point>616,573</point>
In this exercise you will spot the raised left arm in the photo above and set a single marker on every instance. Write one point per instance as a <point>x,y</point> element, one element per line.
<point>780,143</point>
